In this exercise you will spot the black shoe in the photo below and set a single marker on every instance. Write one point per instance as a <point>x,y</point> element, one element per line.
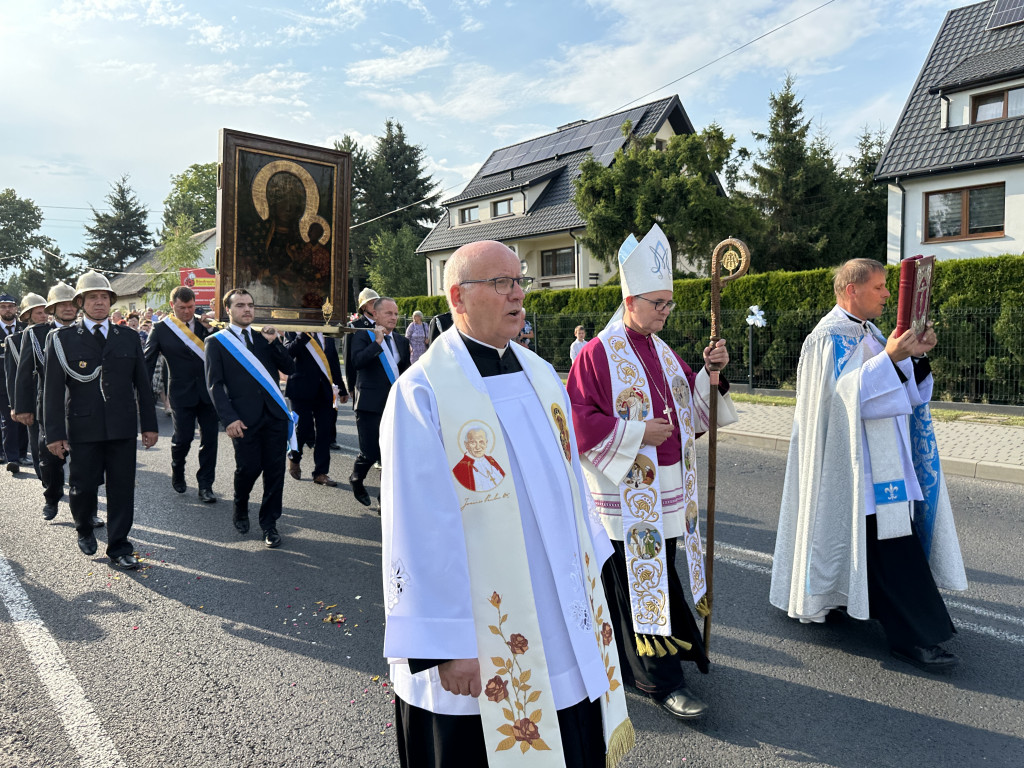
<point>335,447</point>
<point>96,522</point>
<point>178,484</point>
<point>933,659</point>
<point>242,524</point>
<point>125,562</point>
<point>13,467</point>
<point>87,544</point>
<point>49,511</point>
<point>25,461</point>
<point>683,704</point>
<point>271,538</point>
<point>359,491</point>
<point>206,496</point>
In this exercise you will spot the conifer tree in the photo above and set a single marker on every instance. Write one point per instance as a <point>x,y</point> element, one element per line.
<point>119,237</point>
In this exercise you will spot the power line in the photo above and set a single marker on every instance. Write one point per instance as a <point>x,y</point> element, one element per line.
<point>723,56</point>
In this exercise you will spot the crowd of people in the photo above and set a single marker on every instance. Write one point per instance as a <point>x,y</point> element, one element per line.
<point>534,534</point>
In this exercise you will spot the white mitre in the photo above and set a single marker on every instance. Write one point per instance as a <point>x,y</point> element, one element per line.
<point>645,266</point>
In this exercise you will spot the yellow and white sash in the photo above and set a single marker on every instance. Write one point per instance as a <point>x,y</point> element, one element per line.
<point>521,724</point>
<point>320,357</point>
<point>640,492</point>
<point>188,338</point>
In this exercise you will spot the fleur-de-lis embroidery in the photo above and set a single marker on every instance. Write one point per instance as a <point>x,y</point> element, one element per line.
<point>891,492</point>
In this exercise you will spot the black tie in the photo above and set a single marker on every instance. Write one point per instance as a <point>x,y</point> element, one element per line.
<point>9,330</point>
<point>97,331</point>
<point>391,345</point>
<point>248,340</point>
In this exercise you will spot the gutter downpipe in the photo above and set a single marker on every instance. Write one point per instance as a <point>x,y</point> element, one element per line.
<point>576,257</point>
<point>903,211</point>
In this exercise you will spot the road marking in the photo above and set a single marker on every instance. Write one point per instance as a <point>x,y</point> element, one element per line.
<point>985,630</point>
<point>84,729</point>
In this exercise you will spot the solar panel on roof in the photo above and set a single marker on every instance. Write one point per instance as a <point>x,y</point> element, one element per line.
<point>1006,12</point>
<point>596,134</point>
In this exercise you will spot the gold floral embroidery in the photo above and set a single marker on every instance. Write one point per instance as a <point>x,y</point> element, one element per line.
<point>602,633</point>
<point>522,727</point>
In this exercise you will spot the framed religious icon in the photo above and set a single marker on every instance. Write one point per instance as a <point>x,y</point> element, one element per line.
<point>282,230</point>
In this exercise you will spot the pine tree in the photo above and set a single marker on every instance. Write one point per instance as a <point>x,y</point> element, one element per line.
<point>118,238</point>
<point>789,187</point>
<point>391,190</point>
<point>45,270</point>
<point>396,269</point>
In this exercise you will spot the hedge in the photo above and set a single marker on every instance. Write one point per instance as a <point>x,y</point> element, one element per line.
<point>977,305</point>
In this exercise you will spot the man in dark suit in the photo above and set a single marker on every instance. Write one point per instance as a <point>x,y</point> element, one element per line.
<point>95,395</point>
<point>378,358</point>
<point>15,437</point>
<point>33,312</point>
<point>365,320</point>
<point>311,391</point>
<point>28,394</point>
<point>256,421</point>
<point>179,338</point>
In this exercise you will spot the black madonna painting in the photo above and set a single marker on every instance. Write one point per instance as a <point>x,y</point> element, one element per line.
<point>282,228</point>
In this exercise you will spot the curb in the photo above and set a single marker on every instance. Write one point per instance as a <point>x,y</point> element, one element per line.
<point>980,470</point>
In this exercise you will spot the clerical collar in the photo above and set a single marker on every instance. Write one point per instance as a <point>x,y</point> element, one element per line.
<point>491,361</point>
<point>637,336</point>
<point>852,316</point>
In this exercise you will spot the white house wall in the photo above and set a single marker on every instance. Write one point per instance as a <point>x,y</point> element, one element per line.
<point>913,233</point>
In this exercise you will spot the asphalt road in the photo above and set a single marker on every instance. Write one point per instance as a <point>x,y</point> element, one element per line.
<point>217,652</point>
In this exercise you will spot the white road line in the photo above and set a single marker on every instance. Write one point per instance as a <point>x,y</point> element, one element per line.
<point>84,729</point>
<point>985,630</point>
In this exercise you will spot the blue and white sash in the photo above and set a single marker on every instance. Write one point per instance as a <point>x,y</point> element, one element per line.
<point>237,349</point>
<point>389,359</point>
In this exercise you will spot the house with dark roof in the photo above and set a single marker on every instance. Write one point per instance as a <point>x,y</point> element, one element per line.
<point>131,286</point>
<point>523,196</point>
<point>954,164</point>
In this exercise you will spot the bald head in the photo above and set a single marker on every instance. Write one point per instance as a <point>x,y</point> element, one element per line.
<point>478,310</point>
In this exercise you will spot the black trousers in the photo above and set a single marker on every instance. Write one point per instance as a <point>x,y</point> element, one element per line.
<point>902,593</point>
<point>50,471</point>
<point>368,428</point>
<point>33,441</point>
<point>261,451</point>
<point>109,462</point>
<point>15,436</point>
<point>315,429</point>
<point>427,740</point>
<point>184,418</point>
<point>654,675</point>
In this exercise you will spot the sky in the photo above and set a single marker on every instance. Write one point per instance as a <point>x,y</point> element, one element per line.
<point>91,90</point>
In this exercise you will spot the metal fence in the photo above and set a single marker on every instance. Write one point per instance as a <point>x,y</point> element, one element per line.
<point>979,357</point>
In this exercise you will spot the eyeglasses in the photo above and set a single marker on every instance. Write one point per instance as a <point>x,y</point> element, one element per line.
<point>503,285</point>
<point>659,305</point>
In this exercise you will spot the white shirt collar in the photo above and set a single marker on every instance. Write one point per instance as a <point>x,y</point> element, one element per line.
<point>90,325</point>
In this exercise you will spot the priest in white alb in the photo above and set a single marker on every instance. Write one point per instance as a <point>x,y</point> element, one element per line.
<point>638,408</point>
<point>865,522</point>
<point>498,631</point>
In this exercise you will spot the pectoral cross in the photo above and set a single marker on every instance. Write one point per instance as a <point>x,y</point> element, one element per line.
<point>668,413</point>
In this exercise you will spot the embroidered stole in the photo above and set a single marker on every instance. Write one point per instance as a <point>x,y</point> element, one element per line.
<point>522,723</point>
<point>237,349</point>
<point>640,493</point>
<point>187,337</point>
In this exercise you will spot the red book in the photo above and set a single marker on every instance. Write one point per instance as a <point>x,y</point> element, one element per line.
<point>915,297</point>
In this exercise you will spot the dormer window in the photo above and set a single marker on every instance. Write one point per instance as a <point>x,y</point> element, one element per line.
<point>469,215</point>
<point>501,208</point>
<point>997,105</point>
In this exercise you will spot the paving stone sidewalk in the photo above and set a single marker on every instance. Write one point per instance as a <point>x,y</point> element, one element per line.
<point>967,448</point>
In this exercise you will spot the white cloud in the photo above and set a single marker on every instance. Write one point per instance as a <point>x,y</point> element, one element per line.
<point>396,65</point>
<point>477,93</point>
<point>228,85</point>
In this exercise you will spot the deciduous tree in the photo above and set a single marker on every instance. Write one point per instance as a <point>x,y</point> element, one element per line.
<point>395,269</point>
<point>193,194</point>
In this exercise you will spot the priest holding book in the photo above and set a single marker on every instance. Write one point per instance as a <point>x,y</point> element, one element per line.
<point>865,522</point>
